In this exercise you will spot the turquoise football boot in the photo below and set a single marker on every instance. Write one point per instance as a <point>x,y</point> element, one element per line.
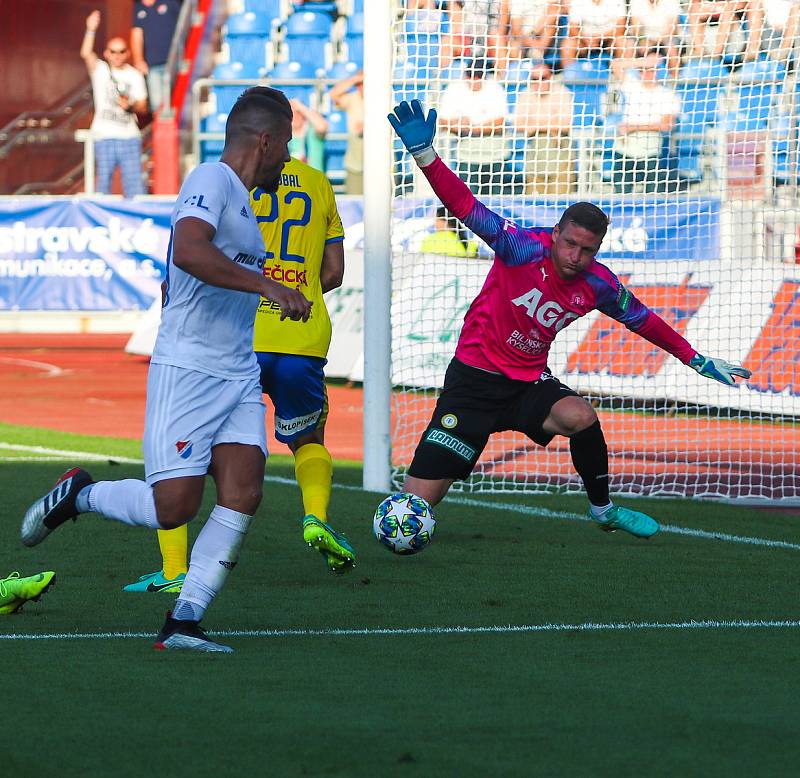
<point>638,524</point>
<point>156,582</point>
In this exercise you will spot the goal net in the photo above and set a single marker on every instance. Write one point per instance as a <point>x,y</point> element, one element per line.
<point>683,128</point>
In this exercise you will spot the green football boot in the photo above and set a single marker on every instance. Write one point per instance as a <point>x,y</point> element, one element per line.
<point>156,582</point>
<point>334,547</point>
<point>638,524</point>
<point>16,591</point>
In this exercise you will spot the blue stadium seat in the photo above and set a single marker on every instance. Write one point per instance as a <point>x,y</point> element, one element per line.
<point>247,36</point>
<point>784,131</point>
<point>308,24</point>
<point>354,24</point>
<point>587,79</point>
<point>286,72</point>
<point>353,47</point>
<point>336,146</point>
<point>310,52</point>
<point>516,79</point>
<point>211,150</point>
<point>341,70</point>
<point>758,86</point>
<point>226,95</point>
<point>318,6</point>
<point>453,71</point>
<point>700,86</point>
<point>271,9</point>
<point>358,6</point>
<point>308,38</point>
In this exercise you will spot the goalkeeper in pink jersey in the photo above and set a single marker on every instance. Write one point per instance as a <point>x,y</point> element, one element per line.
<point>540,281</point>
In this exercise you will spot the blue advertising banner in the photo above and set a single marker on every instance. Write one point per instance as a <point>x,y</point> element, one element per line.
<point>97,255</point>
<point>68,255</point>
<point>658,229</point>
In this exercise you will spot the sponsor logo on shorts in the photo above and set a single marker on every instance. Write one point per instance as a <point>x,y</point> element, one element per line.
<point>299,423</point>
<point>449,420</point>
<point>458,447</point>
<point>184,448</point>
<point>227,565</point>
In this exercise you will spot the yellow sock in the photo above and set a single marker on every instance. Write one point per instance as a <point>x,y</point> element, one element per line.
<point>174,544</point>
<point>313,469</point>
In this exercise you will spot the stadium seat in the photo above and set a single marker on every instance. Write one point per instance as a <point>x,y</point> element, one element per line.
<point>516,79</point>
<point>757,85</point>
<point>285,72</point>
<point>587,79</point>
<point>341,70</point>
<point>336,147</point>
<point>210,150</point>
<point>271,9</point>
<point>784,133</point>
<point>308,24</point>
<point>307,38</point>
<point>700,86</point>
<point>226,95</point>
<point>247,36</point>
<point>326,6</point>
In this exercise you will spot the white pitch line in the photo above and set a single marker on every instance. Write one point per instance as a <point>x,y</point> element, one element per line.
<point>50,371</point>
<point>526,510</point>
<point>545,513</point>
<point>507,629</point>
<point>56,452</point>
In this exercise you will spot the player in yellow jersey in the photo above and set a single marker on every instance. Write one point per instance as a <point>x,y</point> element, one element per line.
<point>303,235</point>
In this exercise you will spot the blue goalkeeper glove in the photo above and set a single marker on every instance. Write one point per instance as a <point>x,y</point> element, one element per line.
<point>718,369</point>
<point>415,129</point>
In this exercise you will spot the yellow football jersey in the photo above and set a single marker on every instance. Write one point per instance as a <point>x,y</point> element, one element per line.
<point>297,222</point>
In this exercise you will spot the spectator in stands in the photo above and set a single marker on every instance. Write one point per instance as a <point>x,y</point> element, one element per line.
<point>348,95</point>
<point>474,109</point>
<point>655,24</point>
<point>153,26</point>
<point>650,110</point>
<point>479,28</point>
<point>532,27</point>
<point>119,94</point>
<point>594,26</point>
<point>775,25</point>
<point>544,114</point>
<point>309,129</point>
<point>449,237</point>
<point>716,28</point>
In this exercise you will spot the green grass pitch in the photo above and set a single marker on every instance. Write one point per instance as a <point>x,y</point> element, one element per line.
<point>294,701</point>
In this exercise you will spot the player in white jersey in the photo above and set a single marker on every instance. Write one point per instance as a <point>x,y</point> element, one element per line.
<point>205,414</point>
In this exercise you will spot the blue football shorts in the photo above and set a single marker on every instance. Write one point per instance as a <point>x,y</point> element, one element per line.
<point>296,387</point>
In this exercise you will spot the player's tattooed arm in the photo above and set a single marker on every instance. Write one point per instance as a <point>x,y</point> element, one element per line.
<point>194,253</point>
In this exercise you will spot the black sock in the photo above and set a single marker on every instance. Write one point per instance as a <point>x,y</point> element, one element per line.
<point>590,458</point>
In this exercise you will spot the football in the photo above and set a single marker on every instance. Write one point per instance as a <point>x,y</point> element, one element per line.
<point>404,523</point>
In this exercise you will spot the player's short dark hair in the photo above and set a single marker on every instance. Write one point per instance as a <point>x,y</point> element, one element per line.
<point>257,107</point>
<point>586,215</point>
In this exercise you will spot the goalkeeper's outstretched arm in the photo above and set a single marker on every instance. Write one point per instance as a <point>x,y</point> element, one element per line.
<point>512,245</point>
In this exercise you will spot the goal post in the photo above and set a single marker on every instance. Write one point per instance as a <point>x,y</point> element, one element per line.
<point>693,154</point>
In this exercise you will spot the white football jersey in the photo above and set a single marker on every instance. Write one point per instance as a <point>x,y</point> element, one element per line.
<point>203,327</point>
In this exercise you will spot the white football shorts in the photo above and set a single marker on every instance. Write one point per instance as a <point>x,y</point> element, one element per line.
<point>188,413</point>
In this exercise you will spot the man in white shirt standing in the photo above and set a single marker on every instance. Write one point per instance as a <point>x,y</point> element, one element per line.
<point>474,110</point>
<point>205,412</point>
<point>650,110</point>
<point>120,93</point>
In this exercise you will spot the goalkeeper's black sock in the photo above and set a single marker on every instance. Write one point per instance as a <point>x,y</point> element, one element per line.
<point>590,458</point>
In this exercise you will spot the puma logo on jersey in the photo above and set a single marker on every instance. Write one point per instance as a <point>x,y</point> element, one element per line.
<point>544,274</point>
<point>547,313</point>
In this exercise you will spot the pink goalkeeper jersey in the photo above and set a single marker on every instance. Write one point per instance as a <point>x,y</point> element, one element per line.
<point>524,304</point>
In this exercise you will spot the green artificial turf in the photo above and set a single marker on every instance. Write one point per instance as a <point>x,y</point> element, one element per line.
<point>669,700</point>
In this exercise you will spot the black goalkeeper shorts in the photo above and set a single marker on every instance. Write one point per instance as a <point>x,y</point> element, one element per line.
<point>474,404</point>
